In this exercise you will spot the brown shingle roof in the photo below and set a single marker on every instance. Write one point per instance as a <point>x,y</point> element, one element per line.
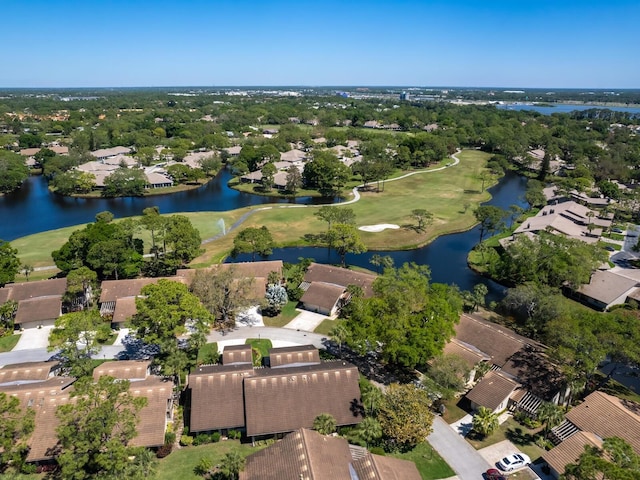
<point>26,372</point>
<point>217,397</point>
<point>241,270</point>
<point>608,416</point>
<point>303,454</point>
<point>471,355</point>
<point>125,309</point>
<point>237,354</point>
<point>123,369</point>
<point>299,354</point>
<point>39,309</point>
<point>491,391</point>
<point>318,272</point>
<point>284,399</point>
<point>44,397</point>
<point>569,450</point>
<point>27,290</point>
<point>377,467</point>
<point>153,417</point>
<point>112,290</point>
<point>323,295</point>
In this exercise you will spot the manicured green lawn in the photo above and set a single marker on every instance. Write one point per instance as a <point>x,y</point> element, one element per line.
<point>263,345</point>
<point>429,463</point>
<point>208,353</point>
<point>453,412</point>
<point>287,314</point>
<point>7,343</point>
<point>326,326</point>
<point>179,464</point>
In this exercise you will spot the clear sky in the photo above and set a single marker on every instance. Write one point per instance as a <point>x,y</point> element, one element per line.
<point>515,43</point>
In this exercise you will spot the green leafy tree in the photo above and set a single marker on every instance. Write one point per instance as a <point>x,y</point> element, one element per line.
<point>253,240</point>
<point>223,295</point>
<point>325,424</point>
<point>165,310</point>
<point>449,373</point>
<point>489,218</point>
<point>210,165</point>
<point>339,334</point>
<point>13,171</point>
<point>293,179</point>
<point>77,336</point>
<point>152,221</point>
<point>17,426</point>
<point>326,173</point>
<point>182,240</point>
<point>616,460</point>
<point>125,182</point>
<point>8,312</point>
<point>405,415</point>
<point>344,238</point>
<point>81,283</point>
<point>333,215</point>
<point>423,217</point>
<point>9,263</point>
<point>268,172</point>
<point>485,422</point>
<point>408,320</point>
<point>95,429</point>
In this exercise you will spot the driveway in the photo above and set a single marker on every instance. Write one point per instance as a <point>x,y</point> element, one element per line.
<point>34,338</point>
<point>461,457</point>
<point>496,452</point>
<point>307,321</point>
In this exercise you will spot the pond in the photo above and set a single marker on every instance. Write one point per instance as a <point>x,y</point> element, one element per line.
<point>33,208</point>
<point>446,256</point>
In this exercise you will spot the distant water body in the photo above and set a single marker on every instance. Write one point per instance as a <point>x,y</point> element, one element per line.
<point>564,108</point>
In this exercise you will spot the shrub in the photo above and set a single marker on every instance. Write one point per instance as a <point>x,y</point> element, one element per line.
<point>204,466</point>
<point>170,437</point>
<point>215,437</point>
<point>201,439</point>
<point>234,435</point>
<point>378,451</point>
<point>186,440</point>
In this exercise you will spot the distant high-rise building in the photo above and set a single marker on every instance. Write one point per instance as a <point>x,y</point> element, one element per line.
<point>404,96</point>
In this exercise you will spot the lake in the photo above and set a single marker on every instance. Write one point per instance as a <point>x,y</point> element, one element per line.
<point>446,256</point>
<point>33,208</point>
<point>564,108</point>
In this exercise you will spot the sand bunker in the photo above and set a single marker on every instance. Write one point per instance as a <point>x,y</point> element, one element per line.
<point>378,228</point>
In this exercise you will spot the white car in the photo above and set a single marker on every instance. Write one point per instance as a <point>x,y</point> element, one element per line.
<point>511,462</point>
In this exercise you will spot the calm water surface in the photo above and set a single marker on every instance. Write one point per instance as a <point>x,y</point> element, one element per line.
<point>446,256</point>
<point>34,209</point>
<point>564,108</point>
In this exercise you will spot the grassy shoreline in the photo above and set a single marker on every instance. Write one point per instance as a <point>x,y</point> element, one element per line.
<point>449,194</point>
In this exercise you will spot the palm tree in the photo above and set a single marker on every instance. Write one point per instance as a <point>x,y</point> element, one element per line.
<point>371,398</point>
<point>325,424</point>
<point>27,270</point>
<point>339,334</point>
<point>232,464</point>
<point>485,422</point>
<point>370,430</point>
<point>551,415</point>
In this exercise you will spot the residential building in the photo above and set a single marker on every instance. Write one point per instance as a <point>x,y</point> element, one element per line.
<point>39,302</point>
<point>305,455</point>
<point>287,395</point>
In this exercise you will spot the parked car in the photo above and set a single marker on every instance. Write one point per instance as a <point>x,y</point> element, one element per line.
<point>513,461</point>
<point>616,230</point>
<point>609,249</point>
<point>494,474</point>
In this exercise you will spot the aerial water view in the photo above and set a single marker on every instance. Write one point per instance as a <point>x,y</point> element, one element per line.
<point>320,241</point>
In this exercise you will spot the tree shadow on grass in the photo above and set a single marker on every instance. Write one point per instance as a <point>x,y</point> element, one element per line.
<point>519,437</point>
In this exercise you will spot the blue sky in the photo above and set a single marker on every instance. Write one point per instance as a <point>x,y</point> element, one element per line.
<point>517,43</point>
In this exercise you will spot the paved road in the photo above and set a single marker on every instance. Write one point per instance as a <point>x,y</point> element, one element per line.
<point>285,334</point>
<point>461,457</point>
